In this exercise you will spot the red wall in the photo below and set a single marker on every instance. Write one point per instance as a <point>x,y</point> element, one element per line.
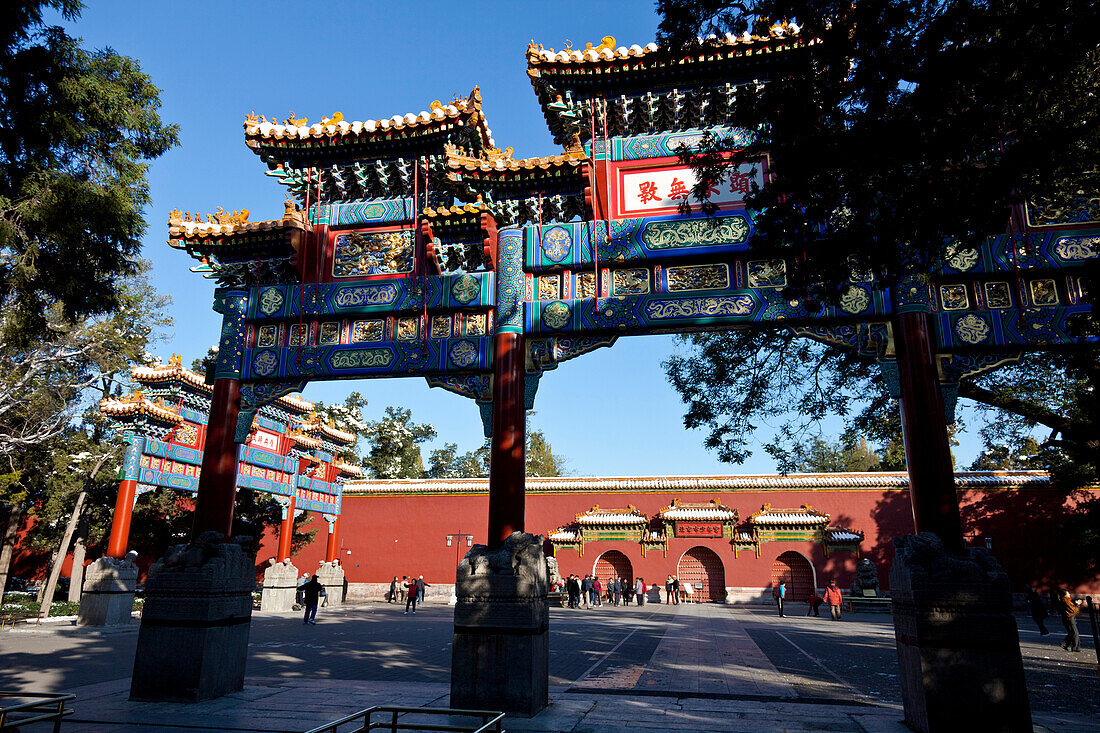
<point>406,535</point>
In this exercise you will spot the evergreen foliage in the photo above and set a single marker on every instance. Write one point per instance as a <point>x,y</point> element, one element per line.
<point>76,130</point>
<point>910,128</point>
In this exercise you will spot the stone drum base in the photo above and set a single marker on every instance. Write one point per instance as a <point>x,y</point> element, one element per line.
<point>331,575</point>
<point>280,586</point>
<point>107,597</point>
<point>193,640</point>
<point>958,646</point>
<point>501,650</point>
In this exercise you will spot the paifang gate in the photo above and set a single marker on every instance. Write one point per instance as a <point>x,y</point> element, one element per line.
<point>413,246</point>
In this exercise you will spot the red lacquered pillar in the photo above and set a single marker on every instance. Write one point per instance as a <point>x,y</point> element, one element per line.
<point>286,530</point>
<point>506,448</point>
<point>333,539</point>
<point>120,525</point>
<point>218,480</point>
<point>924,426</point>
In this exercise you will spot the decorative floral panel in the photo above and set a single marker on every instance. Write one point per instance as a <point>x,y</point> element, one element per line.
<point>549,287</point>
<point>373,253</point>
<point>366,331</point>
<point>267,336</point>
<point>767,273</point>
<point>1043,292</point>
<point>586,285</point>
<point>330,333</point>
<point>954,297</point>
<point>698,277</point>
<point>998,295</point>
<point>630,282</point>
<point>299,335</point>
<point>408,329</point>
<point>475,324</point>
<point>441,327</point>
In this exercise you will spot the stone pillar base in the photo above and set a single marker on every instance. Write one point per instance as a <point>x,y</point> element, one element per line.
<point>958,647</point>
<point>107,598</point>
<point>331,575</point>
<point>280,586</point>
<point>193,641</point>
<point>501,647</point>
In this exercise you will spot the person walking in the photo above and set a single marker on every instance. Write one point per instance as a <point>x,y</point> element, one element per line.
<point>833,599</point>
<point>586,589</point>
<point>780,595</point>
<point>1068,610</point>
<point>412,595</point>
<point>421,585</point>
<point>668,589</point>
<point>402,589</point>
<point>1037,609</point>
<point>616,590</point>
<point>675,591</point>
<point>574,591</point>
<point>639,591</point>
<point>311,592</point>
<point>393,590</point>
<point>814,602</point>
<point>597,591</point>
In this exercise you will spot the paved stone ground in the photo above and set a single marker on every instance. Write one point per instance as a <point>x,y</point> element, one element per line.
<point>699,667</point>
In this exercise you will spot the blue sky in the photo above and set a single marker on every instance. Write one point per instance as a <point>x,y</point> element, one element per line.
<point>610,412</point>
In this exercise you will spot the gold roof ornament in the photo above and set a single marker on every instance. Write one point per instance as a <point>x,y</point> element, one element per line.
<point>176,360</point>
<point>337,117</point>
<point>294,122</point>
<point>251,119</point>
<point>607,42</point>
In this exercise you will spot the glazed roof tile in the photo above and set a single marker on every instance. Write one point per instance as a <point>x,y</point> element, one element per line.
<point>709,484</point>
<point>187,228</point>
<point>349,469</point>
<point>596,516</point>
<point>801,517</point>
<point>780,37</point>
<point>138,404</point>
<point>842,534</point>
<point>564,535</point>
<point>458,161</point>
<point>258,130</point>
<point>711,510</point>
<point>173,371</point>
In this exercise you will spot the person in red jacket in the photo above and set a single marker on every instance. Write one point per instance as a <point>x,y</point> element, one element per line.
<point>413,595</point>
<point>833,599</point>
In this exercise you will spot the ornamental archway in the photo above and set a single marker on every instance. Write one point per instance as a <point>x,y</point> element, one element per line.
<point>702,568</point>
<point>613,563</point>
<point>794,568</point>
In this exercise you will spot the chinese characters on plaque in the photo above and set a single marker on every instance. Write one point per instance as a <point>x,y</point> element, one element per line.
<point>657,189</point>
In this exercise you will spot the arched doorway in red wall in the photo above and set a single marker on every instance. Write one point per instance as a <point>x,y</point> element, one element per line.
<point>794,568</point>
<point>614,563</point>
<point>702,567</point>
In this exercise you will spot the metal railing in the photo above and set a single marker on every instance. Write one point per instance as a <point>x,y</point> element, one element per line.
<point>42,708</point>
<point>393,719</point>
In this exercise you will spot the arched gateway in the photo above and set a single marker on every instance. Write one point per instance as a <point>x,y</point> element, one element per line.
<point>794,568</point>
<point>702,567</point>
<point>614,563</point>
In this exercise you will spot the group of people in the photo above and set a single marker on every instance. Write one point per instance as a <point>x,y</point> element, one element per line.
<point>1064,607</point>
<point>408,589</point>
<point>831,597</point>
<point>591,592</point>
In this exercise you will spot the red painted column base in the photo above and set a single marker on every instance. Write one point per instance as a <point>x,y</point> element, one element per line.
<point>506,449</point>
<point>120,525</point>
<point>924,426</point>
<point>218,480</point>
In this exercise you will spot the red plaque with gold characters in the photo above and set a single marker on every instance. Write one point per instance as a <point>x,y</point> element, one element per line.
<point>698,529</point>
